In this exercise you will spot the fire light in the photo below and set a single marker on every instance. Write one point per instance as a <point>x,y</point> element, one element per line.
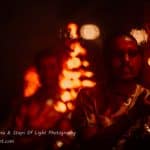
<point>85,63</point>
<point>66,96</point>
<point>140,35</point>
<point>88,74</point>
<point>74,63</point>
<point>70,106</point>
<point>90,31</point>
<point>88,83</point>
<point>60,107</point>
<point>71,74</point>
<point>32,83</point>
<point>74,74</point>
<point>72,27</point>
<point>65,83</point>
<point>77,49</point>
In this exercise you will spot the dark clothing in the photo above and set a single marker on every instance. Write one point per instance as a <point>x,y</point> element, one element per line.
<point>127,126</point>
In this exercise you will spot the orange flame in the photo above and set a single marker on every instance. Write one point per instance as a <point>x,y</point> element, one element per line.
<point>70,106</point>
<point>60,107</point>
<point>141,36</point>
<point>66,96</point>
<point>77,49</point>
<point>88,83</point>
<point>70,83</point>
<point>85,63</point>
<point>88,74</point>
<point>72,27</point>
<point>71,74</point>
<point>74,63</point>
<point>31,79</point>
<point>72,77</point>
<point>65,83</point>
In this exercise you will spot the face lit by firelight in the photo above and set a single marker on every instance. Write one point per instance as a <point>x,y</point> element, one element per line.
<point>126,58</point>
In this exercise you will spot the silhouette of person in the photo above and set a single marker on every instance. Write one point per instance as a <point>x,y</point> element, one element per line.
<point>37,112</point>
<point>107,117</point>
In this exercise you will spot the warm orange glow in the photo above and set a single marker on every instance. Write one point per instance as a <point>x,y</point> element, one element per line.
<point>72,27</point>
<point>74,63</point>
<point>74,73</point>
<point>73,94</point>
<point>88,83</point>
<point>31,80</point>
<point>65,83</point>
<point>71,74</point>
<point>66,96</point>
<point>148,61</point>
<point>60,107</point>
<point>70,106</point>
<point>85,63</point>
<point>77,49</point>
<point>76,83</point>
<point>88,74</point>
<point>140,35</point>
<point>69,84</point>
<point>90,31</point>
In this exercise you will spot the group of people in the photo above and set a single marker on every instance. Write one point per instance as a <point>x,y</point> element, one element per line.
<point>114,116</point>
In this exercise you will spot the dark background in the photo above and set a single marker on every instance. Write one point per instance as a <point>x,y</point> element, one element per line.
<point>28,26</point>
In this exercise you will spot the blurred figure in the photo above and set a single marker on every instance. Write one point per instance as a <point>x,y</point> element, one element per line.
<point>113,116</point>
<point>37,112</point>
<point>35,108</point>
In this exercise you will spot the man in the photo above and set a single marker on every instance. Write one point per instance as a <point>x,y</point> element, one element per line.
<point>37,113</point>
<point>105,116</point>
<point>34,112</point>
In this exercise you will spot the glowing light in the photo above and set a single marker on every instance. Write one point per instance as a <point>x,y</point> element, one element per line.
<point>60,107</point>
<point>31,79</point>
<point>88,74</point>
<point>85,63</point>
<point>59,143</point>
<point>72,27</point>
<point>77,49</point>
<point>148,61</point>
<point>65,83</point>
<point>71,74</point>
<point>66,96</point>
<point>89,32</point>
<point>70,106</point>
<point>140,35</point>
<point>88,83</point>
<point>74,93</point>
<point>76,83</point>
<point>74,63</point>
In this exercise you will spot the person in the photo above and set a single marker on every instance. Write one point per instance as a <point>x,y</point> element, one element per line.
<point>114,116</point>
<point>37,113</point>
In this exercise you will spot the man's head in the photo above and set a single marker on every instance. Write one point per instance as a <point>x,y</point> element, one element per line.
<point>48,67</point>
<point>126,57</point>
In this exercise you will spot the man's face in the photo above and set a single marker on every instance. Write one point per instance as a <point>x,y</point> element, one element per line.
<point>49,70</point>
<point>126,58</point>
